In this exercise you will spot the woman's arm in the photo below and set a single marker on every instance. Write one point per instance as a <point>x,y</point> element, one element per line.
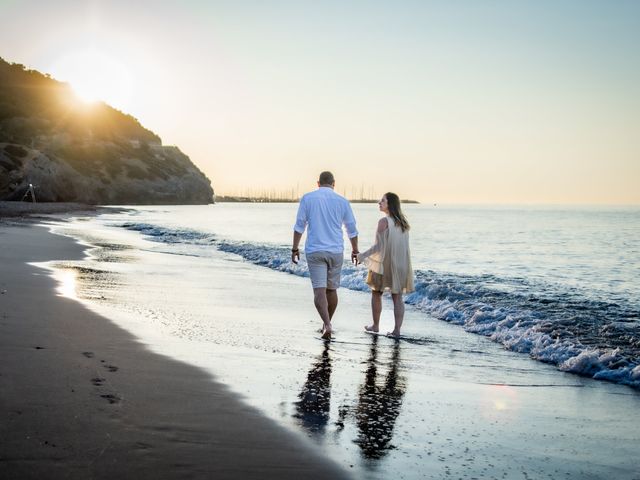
<point>383,224</point>
<point>376,252</point>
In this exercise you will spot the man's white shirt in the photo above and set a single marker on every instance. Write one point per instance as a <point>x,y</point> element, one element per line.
<point>323,213</point>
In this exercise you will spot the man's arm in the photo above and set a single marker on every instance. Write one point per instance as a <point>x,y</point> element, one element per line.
<point>349,221</point>
<point>354,249</point>
<point>298,230</point>
<point>295,251</point>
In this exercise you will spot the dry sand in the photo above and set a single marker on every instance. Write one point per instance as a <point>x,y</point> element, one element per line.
<point>81,398</point>
<point>29,210</point>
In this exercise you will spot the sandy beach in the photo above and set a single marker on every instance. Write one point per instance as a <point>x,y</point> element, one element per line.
<point>166,359</point>
<point>81,398</point>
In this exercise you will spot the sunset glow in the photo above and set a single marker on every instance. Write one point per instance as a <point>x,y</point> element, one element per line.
<point>464,103</point>
<point>95,76</point>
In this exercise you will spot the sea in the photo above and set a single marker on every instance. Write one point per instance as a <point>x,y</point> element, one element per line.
<point>520,355</point>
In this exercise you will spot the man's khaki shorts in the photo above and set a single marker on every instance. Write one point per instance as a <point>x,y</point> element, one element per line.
<point>324,269</point>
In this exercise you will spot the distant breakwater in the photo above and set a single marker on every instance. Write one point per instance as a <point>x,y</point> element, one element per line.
<point>238,199</point>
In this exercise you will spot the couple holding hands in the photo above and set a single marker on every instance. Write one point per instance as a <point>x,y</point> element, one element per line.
<point>322,213</point>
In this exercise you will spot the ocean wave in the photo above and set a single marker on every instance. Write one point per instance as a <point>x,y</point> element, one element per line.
<point>170,235</point>
<point>589,337</point>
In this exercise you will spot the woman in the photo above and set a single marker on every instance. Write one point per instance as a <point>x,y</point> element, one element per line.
<point>389,262</point>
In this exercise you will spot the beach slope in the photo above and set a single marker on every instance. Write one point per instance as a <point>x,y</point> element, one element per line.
<point>82,398</point>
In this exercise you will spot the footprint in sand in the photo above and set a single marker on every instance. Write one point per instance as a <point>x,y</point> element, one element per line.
<point>111,398</point>
<point>88,354</point>
<point>97,381</point>
<point>111,368</point>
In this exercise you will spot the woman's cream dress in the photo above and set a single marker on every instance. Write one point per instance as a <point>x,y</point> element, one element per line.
<point>389,261</point>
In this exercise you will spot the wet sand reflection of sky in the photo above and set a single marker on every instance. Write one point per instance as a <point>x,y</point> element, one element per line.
<point>67,286</point>
<point>83,281</point>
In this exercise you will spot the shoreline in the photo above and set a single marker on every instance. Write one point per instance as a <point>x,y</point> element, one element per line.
<point>83,398</point>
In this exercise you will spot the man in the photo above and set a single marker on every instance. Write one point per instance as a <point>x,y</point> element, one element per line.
<point>324,212</point>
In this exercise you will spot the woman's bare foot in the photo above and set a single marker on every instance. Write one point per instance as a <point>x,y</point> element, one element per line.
<point>371,328</point>
<point>394,334</point>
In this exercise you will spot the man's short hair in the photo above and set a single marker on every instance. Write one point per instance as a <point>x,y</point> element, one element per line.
<point>326,178</point>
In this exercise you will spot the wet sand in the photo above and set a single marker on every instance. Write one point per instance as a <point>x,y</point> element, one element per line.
<point>82,398</point>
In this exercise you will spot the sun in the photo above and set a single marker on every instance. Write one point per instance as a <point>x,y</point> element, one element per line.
<point>95,76</point>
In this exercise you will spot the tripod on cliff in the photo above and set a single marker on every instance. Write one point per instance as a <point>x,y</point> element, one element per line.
<point>30,191</point>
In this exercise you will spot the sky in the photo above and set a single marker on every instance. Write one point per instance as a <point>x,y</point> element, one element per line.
<point>452,101</point>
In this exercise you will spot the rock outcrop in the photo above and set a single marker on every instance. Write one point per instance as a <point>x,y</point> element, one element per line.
<point>93,154</point>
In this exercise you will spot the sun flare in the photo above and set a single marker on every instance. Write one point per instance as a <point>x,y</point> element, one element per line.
<point>67,283</point>
<point>95,76</point>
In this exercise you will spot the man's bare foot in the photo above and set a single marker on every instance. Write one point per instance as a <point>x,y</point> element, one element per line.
<point>371,328</point>
<point>393,334</point>
<point>326,332</point>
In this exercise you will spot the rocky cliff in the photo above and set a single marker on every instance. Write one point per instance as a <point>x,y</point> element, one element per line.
<point>73,152</point>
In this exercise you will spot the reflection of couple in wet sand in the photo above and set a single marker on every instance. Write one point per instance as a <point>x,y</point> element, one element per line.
<point>378,405</point>
<point>375,411</point>
<point>323,213</point>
